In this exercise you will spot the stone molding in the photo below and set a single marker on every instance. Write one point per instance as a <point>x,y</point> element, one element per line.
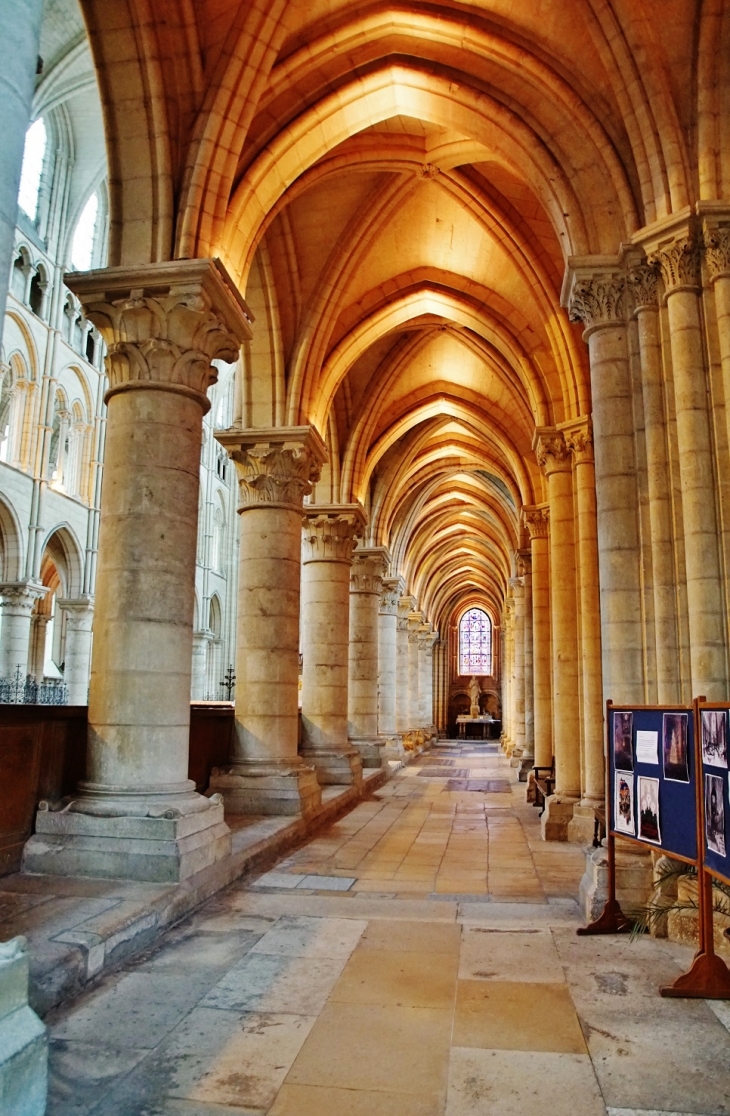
<point>390,595</point>
<point>716,240</point>
<point>406,605</point>
<point>679,262</point>
<point>579,440</point>
<point>517,586</point>
<point>163,324</point>
<point>368,567</point>
<point>536,518</point>
<point>551,451</point>
<point>277,467</point>
<point>331,531</point>
<point>643,286</point>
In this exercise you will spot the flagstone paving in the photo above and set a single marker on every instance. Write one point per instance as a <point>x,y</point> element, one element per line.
<point>435,971</point>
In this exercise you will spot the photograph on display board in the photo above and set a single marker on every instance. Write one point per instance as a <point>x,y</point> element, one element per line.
<point>648,796</point>
<point>714,737</point>
<point>623,748</point>
<point>715,814</point>
<point>675,747</point>
<point>623,803</point>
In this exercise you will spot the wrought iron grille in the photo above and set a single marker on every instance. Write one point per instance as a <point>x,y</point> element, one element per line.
<point>23,689</point>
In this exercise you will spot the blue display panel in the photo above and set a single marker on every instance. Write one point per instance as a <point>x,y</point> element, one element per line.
<point>652,777</point>
<point>714,739</point>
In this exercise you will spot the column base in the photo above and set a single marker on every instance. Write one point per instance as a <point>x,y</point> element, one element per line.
<point>516,756</point>
<point>370,749</point>
<point>268,789</point>
<point>525,768</point>
<point>165,845</point>
<point>23,1043</point>
<point>634,879</point>
<point>556,817</point>
<point>335,766</point>
<point>391,747</point>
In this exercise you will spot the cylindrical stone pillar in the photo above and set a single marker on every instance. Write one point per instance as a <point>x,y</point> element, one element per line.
<point>16,611</point>
<point>39,622</point>
<point>717,257</point>
<point>554,458</point>
<point>366,583</point>
<point>425,676</point>
<point>387,662</point>
<point>77,654</point>
<point>414,675</point>
<point>518,670</point>
<point>163,325</point>
<point>329,539</point>
<point>402,681</point>
<point>680,270</point>
<point>276,470</point>
<point>536,520</point>
<point>508,729</point>
<point>198,682</point>
<point>524,567</point>
<point>597,299</point>
<point>644,283</point>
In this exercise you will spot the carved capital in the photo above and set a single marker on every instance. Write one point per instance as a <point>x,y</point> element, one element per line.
<point>330,532</point>
<point>276,467</point>
<point>523,562</point>
<point>717,250</point>
<point>643,286</point>
<point>579,440</point>
<point>598,301</point>
<point>163,324</point>
<point>390,595</point>
<point>79,612</point>
<point>18,597</point>
<point>368,566</point>
<point>680,264</point>
<point>536,518</point>
<point>551,450</point>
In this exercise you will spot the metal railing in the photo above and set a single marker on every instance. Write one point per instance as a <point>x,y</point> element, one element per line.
<point>24,689</point>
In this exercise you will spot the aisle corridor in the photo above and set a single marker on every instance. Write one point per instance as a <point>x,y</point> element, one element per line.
<point>418,958</point>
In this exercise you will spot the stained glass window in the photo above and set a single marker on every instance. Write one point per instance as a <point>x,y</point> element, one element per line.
<point>475,642</point>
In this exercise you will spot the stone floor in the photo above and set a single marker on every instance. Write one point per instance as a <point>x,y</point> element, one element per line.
<point>418,957</point>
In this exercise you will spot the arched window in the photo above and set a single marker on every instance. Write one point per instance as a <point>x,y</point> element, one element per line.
<point>82,248</point>
<point>30,176</point>
<point>219,529</point>
<point>475,642</point>
<point>6,404</point>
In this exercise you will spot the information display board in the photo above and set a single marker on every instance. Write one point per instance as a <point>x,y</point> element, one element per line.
<point>714,727</point>
<point>652,777</point>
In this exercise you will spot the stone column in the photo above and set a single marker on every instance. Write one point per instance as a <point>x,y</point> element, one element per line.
<point>679,260</point>
<point>508,729</point>
<point>77,654</point>
<point>536,519</point>
<point>276,469</point>
<point>716,235</point>
<point>644,282</point>
<point>426,639</point>
<point>17,600</point>
<point>366,584</point>
<point>329,539</point>
<point>198,687</point>
<point>554,458</point>
<point>415,619</point>
<point>137,814</point>
<point>524,569</point>
<point>402,692</point>
<point>579,440</point>
<point>37,658</point>
<point>21,40</point>
<point>387,656</point>
<point>596,298</point>
<point>518,671</point>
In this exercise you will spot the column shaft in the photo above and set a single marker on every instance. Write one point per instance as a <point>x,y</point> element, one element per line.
<point>77,653</point>
<point>387,656</point>
<point>366,583</point>
<point>16,610</point>
<point>518,670</point>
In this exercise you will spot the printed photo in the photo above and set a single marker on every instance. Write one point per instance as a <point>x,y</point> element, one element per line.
<point>715,814</point>
<point>675,745</point>
<point>623,804</point>
<point>623,750</point>
<point>714,737</point>
<point>648,795</point>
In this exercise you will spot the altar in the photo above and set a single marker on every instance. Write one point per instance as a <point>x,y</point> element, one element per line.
<point>487,726</point>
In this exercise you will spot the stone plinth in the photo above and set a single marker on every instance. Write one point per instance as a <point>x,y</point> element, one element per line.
<point>137,814</point>
<point>23,1043</point>
<point>633,879</point>
<point>276,470</point>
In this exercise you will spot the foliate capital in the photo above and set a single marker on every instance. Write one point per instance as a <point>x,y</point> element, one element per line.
<point>276,467</point>
<point>551,450</point>
<point>536,518</point>
<point>163,324</point>
<point>331,530</point>
<point>19,597</point>
<point>679,261</point>
<point>523,561</point>
<point>368,566</point>
<point>579,440</point>
<point>643,286</point>
<point>717,250</point>
<point>390,594</point>
<point>598,300</point>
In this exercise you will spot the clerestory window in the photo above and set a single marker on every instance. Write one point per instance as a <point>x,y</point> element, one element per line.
<point>34,153</point>
<point>475,642</point>
<point>82,247</point>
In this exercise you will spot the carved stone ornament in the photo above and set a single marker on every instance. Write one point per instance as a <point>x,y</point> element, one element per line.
<point>275,475</point>
<point>402,624</point>
<point>717,251</point>
<point>330,534</point>
<point>553,455</point>
<point>390,595</point>
<point>366,575</point>
<point>537,520</point>
<point>163,324</point>
<point>598,301</point>
<point>679,263</point>
<point>523,563</point>
<point>580,443</point>
<point>643,286</point>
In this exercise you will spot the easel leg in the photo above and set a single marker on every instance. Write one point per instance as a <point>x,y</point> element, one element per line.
<point>709,977</point>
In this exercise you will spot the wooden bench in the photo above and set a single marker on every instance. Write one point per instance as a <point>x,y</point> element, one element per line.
<point>544,784</point>
<point>599,830</point>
